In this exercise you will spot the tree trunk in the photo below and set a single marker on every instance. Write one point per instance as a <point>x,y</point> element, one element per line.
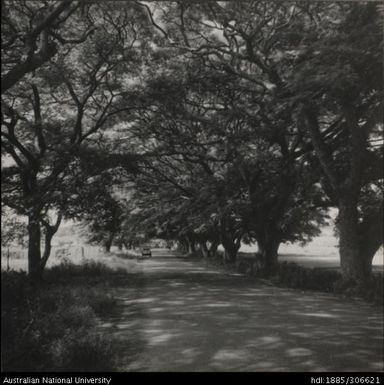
<point>268,249</point>
<point>371,233</point>
<point>357,243</point>
<point>108,242</point>
<point>34,252</point>
<point>50,231</point>
<point>182,246</point>
<point>230,242</point>
<point>191,246</point>
<point>47,249</point>
<point>230,250</point>
<point>8,255</point>
<point>354,267</point>
<point>213,249</point>
<point>204,249</point>
<point>230,255</point>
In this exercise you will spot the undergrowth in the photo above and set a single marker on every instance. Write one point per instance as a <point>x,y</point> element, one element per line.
<point>52,326</point>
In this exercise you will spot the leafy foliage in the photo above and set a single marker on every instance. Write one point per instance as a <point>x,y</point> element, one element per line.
<point>220,122</point>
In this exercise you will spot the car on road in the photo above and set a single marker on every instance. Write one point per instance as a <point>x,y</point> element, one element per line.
<point>146,252</point>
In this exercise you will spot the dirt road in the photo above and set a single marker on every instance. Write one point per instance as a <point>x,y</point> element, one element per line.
<point>182,316</point>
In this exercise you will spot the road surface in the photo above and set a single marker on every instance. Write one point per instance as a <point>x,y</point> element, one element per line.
<point>182,316</point>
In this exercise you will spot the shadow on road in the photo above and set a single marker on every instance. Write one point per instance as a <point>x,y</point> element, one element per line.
<point>185,317</point>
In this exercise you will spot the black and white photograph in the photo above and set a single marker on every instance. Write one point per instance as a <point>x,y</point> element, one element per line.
<point>192,186</point>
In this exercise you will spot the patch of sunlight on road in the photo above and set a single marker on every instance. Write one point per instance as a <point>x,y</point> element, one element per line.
<point>176,284</point>
<point>160,338</point>
<point>106,324</point>
<point>377,365</point>
<point>175,302</point>
<point>156,309</point>
<point>230,356</point>
<point>312,366</point>
<point>263,365</point>
<point>218,305</point>
<point>188,319</point>
<point>298,352</point>
<point>256,295</point>
<point>322,315</point>
<point>128,324</point>
<point>266,341</point>
<point>140,300</point>
<point>269,339</point>
<point>190,352</point>
<point>301,334</point>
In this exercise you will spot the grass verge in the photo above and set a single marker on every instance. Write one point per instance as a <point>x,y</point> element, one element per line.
<point>53,326</point>
<point>292,275</point>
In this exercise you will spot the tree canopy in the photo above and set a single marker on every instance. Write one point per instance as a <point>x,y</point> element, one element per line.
<point>219,122</point>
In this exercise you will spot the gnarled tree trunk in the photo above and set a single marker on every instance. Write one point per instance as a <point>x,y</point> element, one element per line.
<point>352,265</point>
<point>268,250</point>
<point>34,252</point>
<point>371,235</point>
<point>268,243</point>
<point>358,242</point>
<point>50,231</point>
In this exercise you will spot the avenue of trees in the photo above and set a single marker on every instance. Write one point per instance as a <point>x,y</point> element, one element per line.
<point>206,124</point>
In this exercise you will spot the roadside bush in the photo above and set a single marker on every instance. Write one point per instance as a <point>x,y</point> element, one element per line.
<point>328,280</point>
<point>250,265</point>
<point>292,275</point>
<point>53,326</point>
<point>295,276</point>
<point>371,291</point>
<point>87,270</point>
<point>82,351</point>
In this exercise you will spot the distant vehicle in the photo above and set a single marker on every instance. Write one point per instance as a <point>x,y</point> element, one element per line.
<point>146,252</point>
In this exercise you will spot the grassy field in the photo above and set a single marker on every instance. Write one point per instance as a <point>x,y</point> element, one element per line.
<point>68,245</point>
<point>321,252</point>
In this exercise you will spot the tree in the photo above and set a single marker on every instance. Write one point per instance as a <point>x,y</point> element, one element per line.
<point>338,85</point>
<point>288,54</point>
<point>236,177</point>
<point>230,107</point>
<point>49,117</point>
<point>95,202</point>
<point>12,229</point>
